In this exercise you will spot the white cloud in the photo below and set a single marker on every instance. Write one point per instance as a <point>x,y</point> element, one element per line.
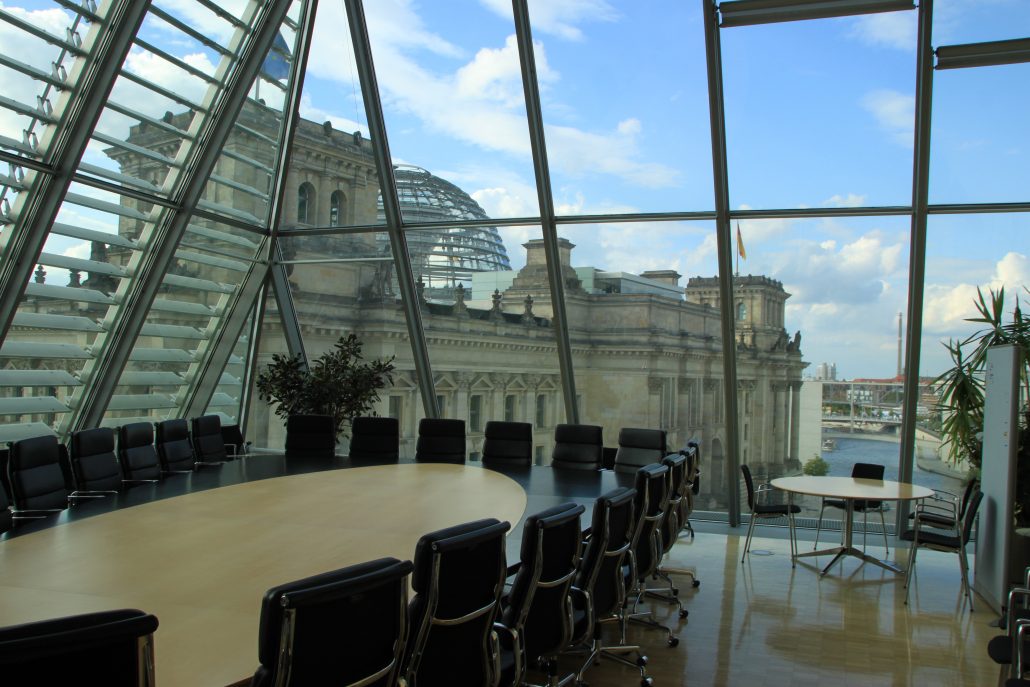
<point>894,112</point>
<point>851,200</point>
<point>946,306</point>
<point>340,123</point>
<point>502,201</point>
<point>887,29</point>
<point>559,17</point>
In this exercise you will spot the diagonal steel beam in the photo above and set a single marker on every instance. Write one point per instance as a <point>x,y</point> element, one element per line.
<point>534,115</point>
<point>230,326</point>
<point>38,207</point>
<point>391,205</point>
<point>137,295</point>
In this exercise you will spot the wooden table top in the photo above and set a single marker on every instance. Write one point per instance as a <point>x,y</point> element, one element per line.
<point>201,562</point>
<point>851,488</point>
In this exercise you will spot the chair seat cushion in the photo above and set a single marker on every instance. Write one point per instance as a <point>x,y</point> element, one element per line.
<point>932,537</point>
<point>1000,649</point>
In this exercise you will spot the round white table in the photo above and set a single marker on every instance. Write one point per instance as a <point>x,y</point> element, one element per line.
<point>201,562</point>
<point>849,490</point>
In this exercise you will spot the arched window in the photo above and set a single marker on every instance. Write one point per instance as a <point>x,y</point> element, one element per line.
<point>337,202</point>
<point>741,311</point>
<point>305,203</point>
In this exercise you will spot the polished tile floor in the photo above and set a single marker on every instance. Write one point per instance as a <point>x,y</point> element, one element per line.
<point>764,623</point>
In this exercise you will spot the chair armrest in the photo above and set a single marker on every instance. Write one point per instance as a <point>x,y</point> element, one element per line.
<point>516,648</point>
<point>1019,641</point>
<point>1022,593</point>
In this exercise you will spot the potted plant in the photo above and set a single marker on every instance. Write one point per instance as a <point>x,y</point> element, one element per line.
<point>961,390</point>
<point>338,384</point>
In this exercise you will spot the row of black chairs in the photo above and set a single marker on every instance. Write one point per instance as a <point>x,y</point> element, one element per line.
<point>356,626</point>
<point>42,476</point>
<point>508,444</point>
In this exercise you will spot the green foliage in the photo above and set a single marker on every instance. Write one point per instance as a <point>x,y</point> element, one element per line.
<point>961,389</point>
<point>815,466</point>
<point>339,383</point>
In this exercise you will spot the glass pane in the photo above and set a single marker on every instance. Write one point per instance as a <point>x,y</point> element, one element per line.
<point>819,113</point>
<point>625,104</point>
<point>333,180</point>
<point>344,284</point>
<point>847,280</point>
<point>452,93</point>
<point>972,21</point>
<point>980,135</point>
<point>964,253</point>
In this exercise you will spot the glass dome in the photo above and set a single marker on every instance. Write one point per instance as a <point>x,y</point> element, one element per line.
<point>445,257</point>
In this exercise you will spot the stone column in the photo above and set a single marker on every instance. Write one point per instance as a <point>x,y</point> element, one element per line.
<point>795,419</point>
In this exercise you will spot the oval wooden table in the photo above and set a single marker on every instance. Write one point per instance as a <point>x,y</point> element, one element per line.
<point>201,562</point>
<point>850,489</point>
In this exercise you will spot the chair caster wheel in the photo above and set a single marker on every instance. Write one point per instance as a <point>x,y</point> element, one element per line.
<point>641,661</point>
<point>674,641</point>
<point>695,584</point>
<point>646,682</point>
<point>675,591</point>
<point>684,613</point>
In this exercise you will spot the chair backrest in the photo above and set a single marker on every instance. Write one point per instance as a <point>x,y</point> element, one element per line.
<point>750,484</point>
<point>206,432</point>
<point>174,449</point>
<point>867,471</point>
<point>136,453</point>
<point>458,578</point>
<point>539,606</point>
<point>969,517</point>
<point>652,485</point>
<point>310,435</point>
<point>375,438</point>
<point>94,465</point>
<point>35,475</point>
<point>577,447</point>
<point>672,522</point>
<point>111,648</point>
<point>440,441</point>
<point>508,444</point>
<point>611,534</point>
<point>6,516</point>
<point>639,447</point>
<point>340,627</point>
<point>972,486</point>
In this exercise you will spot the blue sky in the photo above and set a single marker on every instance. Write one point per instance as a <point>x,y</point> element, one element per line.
<point>818,114</point>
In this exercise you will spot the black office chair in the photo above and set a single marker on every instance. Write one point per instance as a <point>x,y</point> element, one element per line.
<point>310,436</point>
<point>537,615</point>
<point>174,449</point>
<point>345,627</point>
<point>375,439</point>
<point>766,511</point>
<point>649,507</point>
<point>94,467</point>
<point>111,648</point>
<point>206,434</point>
<point>639,447</point>
<point>693,484</point>
<point>599,592</point>
<point>938,540</point>
<point>136,453</point>
<point>458,578</point>
<point>944,509</point>
<point>577,447</point>
<point>508,444</point>
<point>38,485</point>
<point>6,516</point>
<point>670,529</point>
<point>1013,648</point>
<point>859,471</point>
<point>232,438</point>
<point>440,441</point>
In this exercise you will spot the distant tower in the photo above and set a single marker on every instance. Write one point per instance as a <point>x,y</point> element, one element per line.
<point>901,370</point>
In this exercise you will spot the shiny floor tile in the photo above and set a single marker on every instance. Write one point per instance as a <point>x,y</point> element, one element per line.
<point>765,623</point>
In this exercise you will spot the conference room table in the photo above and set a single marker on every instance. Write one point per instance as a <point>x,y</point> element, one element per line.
<point>200,550</point>
<point>849,490</point>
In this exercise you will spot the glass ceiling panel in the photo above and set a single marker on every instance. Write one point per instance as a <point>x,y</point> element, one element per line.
<point>451,86</point>
<point>975,21</point>
<point>820,113</point>
<point>624,93</point>
<point>980,140</point>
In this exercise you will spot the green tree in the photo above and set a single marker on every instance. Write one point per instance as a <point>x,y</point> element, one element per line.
<point>815,466</point>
